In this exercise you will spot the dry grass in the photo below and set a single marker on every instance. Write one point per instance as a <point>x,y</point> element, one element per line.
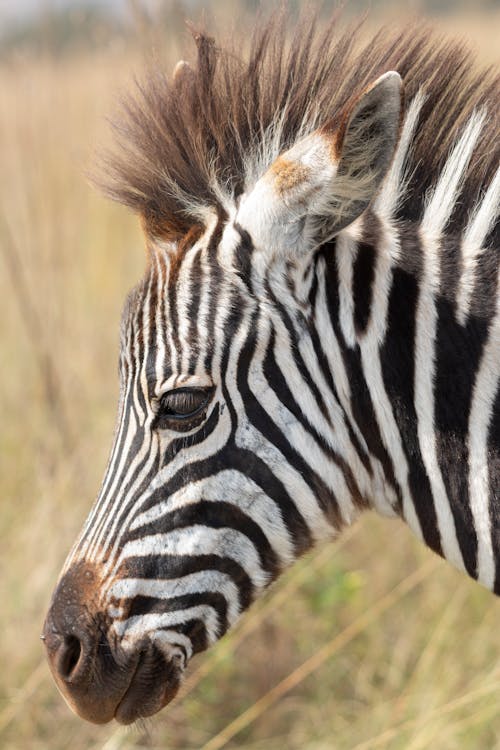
<point>372,643</point>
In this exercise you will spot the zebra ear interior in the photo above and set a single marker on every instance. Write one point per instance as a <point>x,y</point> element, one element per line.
<point>365,143</point>
<point>327,179</point>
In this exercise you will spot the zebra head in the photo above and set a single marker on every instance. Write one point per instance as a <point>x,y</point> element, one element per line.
<point>233,453</point>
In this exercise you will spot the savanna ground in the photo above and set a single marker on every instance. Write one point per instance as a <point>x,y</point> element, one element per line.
<point>369,643</point>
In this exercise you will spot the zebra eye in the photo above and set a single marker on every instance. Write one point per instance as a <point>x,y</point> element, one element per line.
<point>183,408</point>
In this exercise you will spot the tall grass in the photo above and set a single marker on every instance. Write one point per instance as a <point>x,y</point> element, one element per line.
<point>370,643</point>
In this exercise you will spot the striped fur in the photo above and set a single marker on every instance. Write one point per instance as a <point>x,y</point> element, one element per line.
<point>361,373</point>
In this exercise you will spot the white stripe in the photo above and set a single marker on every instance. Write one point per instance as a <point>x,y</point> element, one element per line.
<point>442,200</point>
<point>206,581</point>
<point>372,368</point>
<point>483,399</point>
<point>172,351</point>
<point>473,241</point>
<point>251,439</point>
<point>183,302</point>
<point>121,500</point>
<point>82,544</point>
<point>204,451</point>
<point>438,210</point>
<point>181,460</point>
<point>346,248</point>
<point>383,497</point>
<point>166,640</point>
<point>110,483</point>
<point>236,488</point>
<point>295,434</point>
<point>203,313</point>
<point>161,327</point>
<point>393,187</point>
<point>142,625</point>
<point>139,382</point>
<point>424,402</point>
<point>124,468</point>
<point>200,540</point>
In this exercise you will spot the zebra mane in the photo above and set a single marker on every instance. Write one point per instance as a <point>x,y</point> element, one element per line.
<point>191,143</point>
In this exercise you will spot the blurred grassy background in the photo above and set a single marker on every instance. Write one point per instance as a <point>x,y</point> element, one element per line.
<point>359,664</point>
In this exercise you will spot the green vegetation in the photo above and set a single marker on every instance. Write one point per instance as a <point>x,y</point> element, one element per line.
<point>361,660</point>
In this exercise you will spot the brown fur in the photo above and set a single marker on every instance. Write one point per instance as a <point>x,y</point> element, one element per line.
<point>288,175</point>
<point>175,136</point>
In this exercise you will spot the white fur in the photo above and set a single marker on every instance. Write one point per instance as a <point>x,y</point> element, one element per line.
<point>485,389</point>
<point>392,191</point>
<point>345,256</point>
<point>475,234</point>
<point>443,198</point>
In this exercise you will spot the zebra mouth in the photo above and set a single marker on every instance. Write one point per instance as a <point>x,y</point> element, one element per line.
<point>155,681</point>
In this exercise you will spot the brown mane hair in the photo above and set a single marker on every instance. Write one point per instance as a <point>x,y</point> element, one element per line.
<point>187,145</point>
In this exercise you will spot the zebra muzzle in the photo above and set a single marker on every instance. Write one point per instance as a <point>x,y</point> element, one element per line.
<point>98,678</point>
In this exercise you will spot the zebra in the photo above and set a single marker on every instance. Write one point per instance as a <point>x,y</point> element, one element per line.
<point>317,333</point>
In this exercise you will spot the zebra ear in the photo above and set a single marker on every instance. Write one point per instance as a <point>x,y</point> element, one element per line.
<point>327,179</point>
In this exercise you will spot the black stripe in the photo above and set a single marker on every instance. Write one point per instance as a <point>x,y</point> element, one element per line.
<point>167,364</point>
<point>188,441</point>
<point>176,566</point>
<point>195,283</point>
<point>182,442</point>
<point>319,349</point>
<point>215,280</point>
<point>361,403</point>
<point>171,295</point>
<point>215,515</point>
<point>246,462</point>
<point>196,632</point>
<point>362,285</point>
<point>277,382</point>
<point>121,488</point>
<point>453,387</point>
<point>139,348</point>
<point>458,355</point>
<point>232,457</point>
<point>243,257</point>
<point>265,425</point>
<point>117,448</point>
<point>144,605</point>
<point>150,365</point>
<point>294,349</point>
<point>121,511</point>
<point>484,295</point>
<point>397,357</point>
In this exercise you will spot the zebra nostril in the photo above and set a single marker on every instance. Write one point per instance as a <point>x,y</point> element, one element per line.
<point>68,658</point>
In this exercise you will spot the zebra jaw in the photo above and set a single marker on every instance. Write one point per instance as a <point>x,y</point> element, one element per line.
<point>101,676</point>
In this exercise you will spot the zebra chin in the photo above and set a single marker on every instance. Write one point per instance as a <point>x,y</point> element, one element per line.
<point>101,676</point>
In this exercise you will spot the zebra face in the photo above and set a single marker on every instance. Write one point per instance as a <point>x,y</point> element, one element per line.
<point>226,465</point>
<point>198,510</point>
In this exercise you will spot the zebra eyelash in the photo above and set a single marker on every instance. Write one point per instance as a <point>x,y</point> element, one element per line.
<point>182,409</point>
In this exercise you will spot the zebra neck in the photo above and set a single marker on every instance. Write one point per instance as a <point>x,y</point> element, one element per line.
<point>405,360</point>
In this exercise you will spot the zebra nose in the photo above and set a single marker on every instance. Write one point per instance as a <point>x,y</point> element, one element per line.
<point>70,625</point>
<point>66,653</point>
<point>78,651</point>
<point>99,678</point>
